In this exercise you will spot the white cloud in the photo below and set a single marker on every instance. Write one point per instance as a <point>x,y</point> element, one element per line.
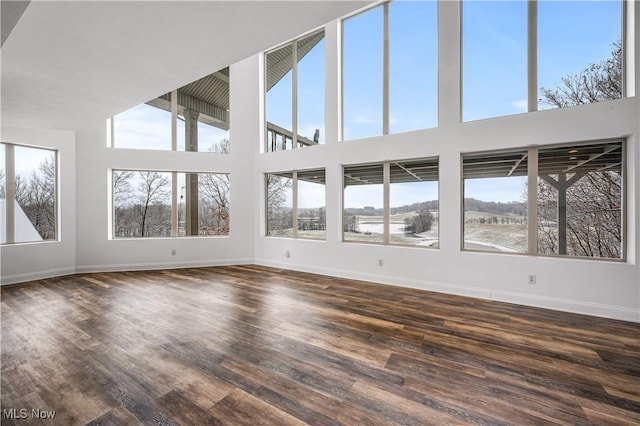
<point>522,105</point>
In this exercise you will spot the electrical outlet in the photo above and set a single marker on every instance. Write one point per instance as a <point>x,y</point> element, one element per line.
<point>532,279</point>
<point>287,254</point>
<point>380,262</point>
<point>173,252</point>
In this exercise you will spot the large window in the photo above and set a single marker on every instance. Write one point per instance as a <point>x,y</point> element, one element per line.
<point>521,56</point>
<point>295,203</point>
<point>579,52</point>
<point>199,112</point>
<point>579,197</point>
<point>392,203</point>
<point>144,206</point>
<point>389,69</point>
<point>562,200</point>
<point>495,201</point>
<point>494,58</point>
<point>294,81</point>
<point>28,194</point>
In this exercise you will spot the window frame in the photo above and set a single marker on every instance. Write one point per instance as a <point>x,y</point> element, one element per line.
<point>386,201</point>
<point>10,201</point>
<point>174,204</point>
<point>532,83</point>
<point>294,202</point>
<point>386,66</point>
<point>532,199</point>
<point>174,107</point>
<point>294,90</point>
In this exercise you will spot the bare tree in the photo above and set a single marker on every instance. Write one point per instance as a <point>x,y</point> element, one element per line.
<point>214,200</point>
<point>279,216</point>
<point>594,211</point>
<point>597,82</point>
<point>3,193</point>
<point>154,190</point>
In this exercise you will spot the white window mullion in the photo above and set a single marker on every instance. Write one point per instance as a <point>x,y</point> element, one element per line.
<point>385,71</point>
<point>174,175</point>
<point>386,177</point>
<point>10,193</point>
<point>295,205</point>
<point>294,95</point>
<point>532,200</point>
<point>532,55</point>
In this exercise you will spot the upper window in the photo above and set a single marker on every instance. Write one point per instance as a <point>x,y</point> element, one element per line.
<point>576,58</point>
<point>144,204</point>
<point>28,194</point>
<point>201,119</point>
<point>494,58</point>
<point>294,82</point>
<point>578,198</point>
<point>579,52</point>
<point>408,215</point>
<point>389,69</point>
<point>295,203</point>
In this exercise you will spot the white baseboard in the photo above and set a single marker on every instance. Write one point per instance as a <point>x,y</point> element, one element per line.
<point>565,305</point>
<point>37,275</point>
<point>150,266</point>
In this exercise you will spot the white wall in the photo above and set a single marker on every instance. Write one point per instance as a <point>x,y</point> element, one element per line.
<point>31,261</point>
<point>97,252</point>
<point>602,288</point>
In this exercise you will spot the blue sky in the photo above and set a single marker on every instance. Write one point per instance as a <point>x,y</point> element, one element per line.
<point>571,35</point>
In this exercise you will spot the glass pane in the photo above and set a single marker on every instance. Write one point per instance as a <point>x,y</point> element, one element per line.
<point>142,204</point>
<point>580,200</point>
<point>363,203</point>
<point>146,126</point>
<point>362,38</point>
<point>413,193</point>
<point>579,52</point>
<point>279,98</point>
<point>311,204</point>
<point>35,194</point>
<point>203,114</point>
<point>494,57</point>
<point>495,202</point>
<point>413,62</point>
<point>311,89</point>
<point>279,204</point>
<point>213,204</point>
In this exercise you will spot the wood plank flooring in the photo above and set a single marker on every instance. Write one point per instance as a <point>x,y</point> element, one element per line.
<point>250,345</point>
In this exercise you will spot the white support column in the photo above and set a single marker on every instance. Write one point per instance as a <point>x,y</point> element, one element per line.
<point>532,200</point>
<point>532,55</point>
<point>10,193</point>
<point>449,63</point>
<point>386,178</point>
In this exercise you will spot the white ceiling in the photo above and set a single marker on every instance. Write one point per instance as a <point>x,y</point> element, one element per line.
<point>68,62</point>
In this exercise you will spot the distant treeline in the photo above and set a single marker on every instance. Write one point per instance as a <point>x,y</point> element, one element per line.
<point>470,204</point>
<point>512,207</point>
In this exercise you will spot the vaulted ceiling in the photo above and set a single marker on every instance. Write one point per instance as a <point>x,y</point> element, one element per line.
<point>68,62</point>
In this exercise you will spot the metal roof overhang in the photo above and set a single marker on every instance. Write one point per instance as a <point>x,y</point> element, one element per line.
<point>574,159</point>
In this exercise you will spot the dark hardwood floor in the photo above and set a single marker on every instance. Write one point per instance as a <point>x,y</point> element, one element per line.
<point>254,345</point>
